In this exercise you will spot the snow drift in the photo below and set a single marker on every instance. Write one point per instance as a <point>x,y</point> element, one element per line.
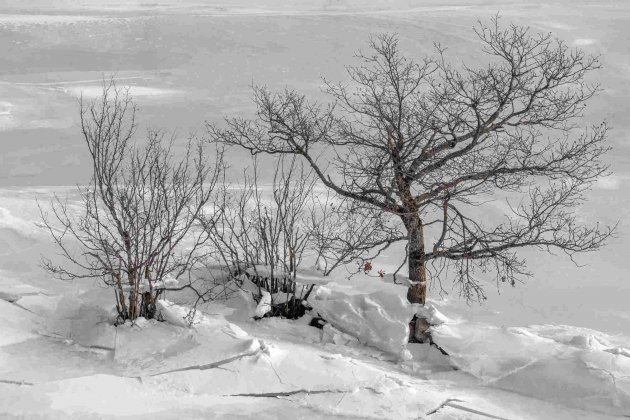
<point>379,319</point>
<point>573,366</point>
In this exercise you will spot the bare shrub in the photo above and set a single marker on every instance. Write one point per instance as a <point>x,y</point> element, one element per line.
<point>134,227</point>
<point>269,233</point>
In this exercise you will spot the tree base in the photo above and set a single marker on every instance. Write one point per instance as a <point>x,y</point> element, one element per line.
<point>291,309</point>
<point>419,332</point>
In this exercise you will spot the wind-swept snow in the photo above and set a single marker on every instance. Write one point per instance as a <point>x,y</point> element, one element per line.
<point>378,319</point>
<point>62,357</point>
<point>573,366</point>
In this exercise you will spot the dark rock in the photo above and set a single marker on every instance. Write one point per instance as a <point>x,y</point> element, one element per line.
<point>318,322</point>
<point>294,308</point>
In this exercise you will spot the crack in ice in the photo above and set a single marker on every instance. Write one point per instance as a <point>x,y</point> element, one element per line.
<point>213,365</point>
<point>450,403</point>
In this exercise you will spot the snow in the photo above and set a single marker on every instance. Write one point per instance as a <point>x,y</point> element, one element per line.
<point>431,313</point>
<point>583,42</point>
<point>17,326</point>
<point>308,276</point>
<point>94,91</point>
<point>573,366</point>
<point>60,355</point>
<point>265,271</point>
<point>171,313</point>
<point>332,335</point>
<point>20,20</point>
<point>264,305</point>
<point>65,359</point>
<point>377,319</point>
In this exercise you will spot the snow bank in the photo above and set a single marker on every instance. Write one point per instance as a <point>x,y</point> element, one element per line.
<point>431,314</point>
<point>379,319</point>
<point>175,314</point>
<point>332,335</point>
<point>242,306</point>
<point>573,366</point>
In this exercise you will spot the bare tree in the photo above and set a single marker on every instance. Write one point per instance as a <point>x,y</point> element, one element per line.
<point>135,221</point>
<point>268,231</point>
<point>346,231</point>
<point>426,142</point>
<point>261,230</point>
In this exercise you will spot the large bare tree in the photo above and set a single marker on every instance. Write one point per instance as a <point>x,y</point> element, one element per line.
<point>135,222</point>
<point>427,142</point>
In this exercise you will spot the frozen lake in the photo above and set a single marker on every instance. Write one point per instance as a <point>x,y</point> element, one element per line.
<point>193,61</point>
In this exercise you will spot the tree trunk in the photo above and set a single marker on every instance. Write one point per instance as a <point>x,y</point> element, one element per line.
<point>417,272</point>
<point>133,295</point>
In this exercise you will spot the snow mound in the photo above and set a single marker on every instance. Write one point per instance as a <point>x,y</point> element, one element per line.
<point>572,366</point>
<point>148,342</point>
<point>332,335</point>
<point>379,319</point>
<point>242,306</point>
<point>432,314</point>
<point>264,305</point>
<point>176,314</point>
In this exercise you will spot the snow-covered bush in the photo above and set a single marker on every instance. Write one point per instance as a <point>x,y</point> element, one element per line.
<point>269,234</point>
<point>134,226</point>
<point>272,235</point>
<point>263,235</point>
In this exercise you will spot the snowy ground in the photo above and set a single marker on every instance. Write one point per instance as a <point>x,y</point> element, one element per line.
<point>556,347</point>
<point>60,357</point>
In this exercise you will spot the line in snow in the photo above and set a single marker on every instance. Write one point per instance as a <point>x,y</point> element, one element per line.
<point>7,381</point>
<point>71,82</point>
<point>279,394</point>
<point>213,365</point>
<point>450,403</point>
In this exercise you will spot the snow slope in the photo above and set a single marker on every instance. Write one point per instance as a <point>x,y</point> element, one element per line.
<point>60,357</point>
<point>574,366</point>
